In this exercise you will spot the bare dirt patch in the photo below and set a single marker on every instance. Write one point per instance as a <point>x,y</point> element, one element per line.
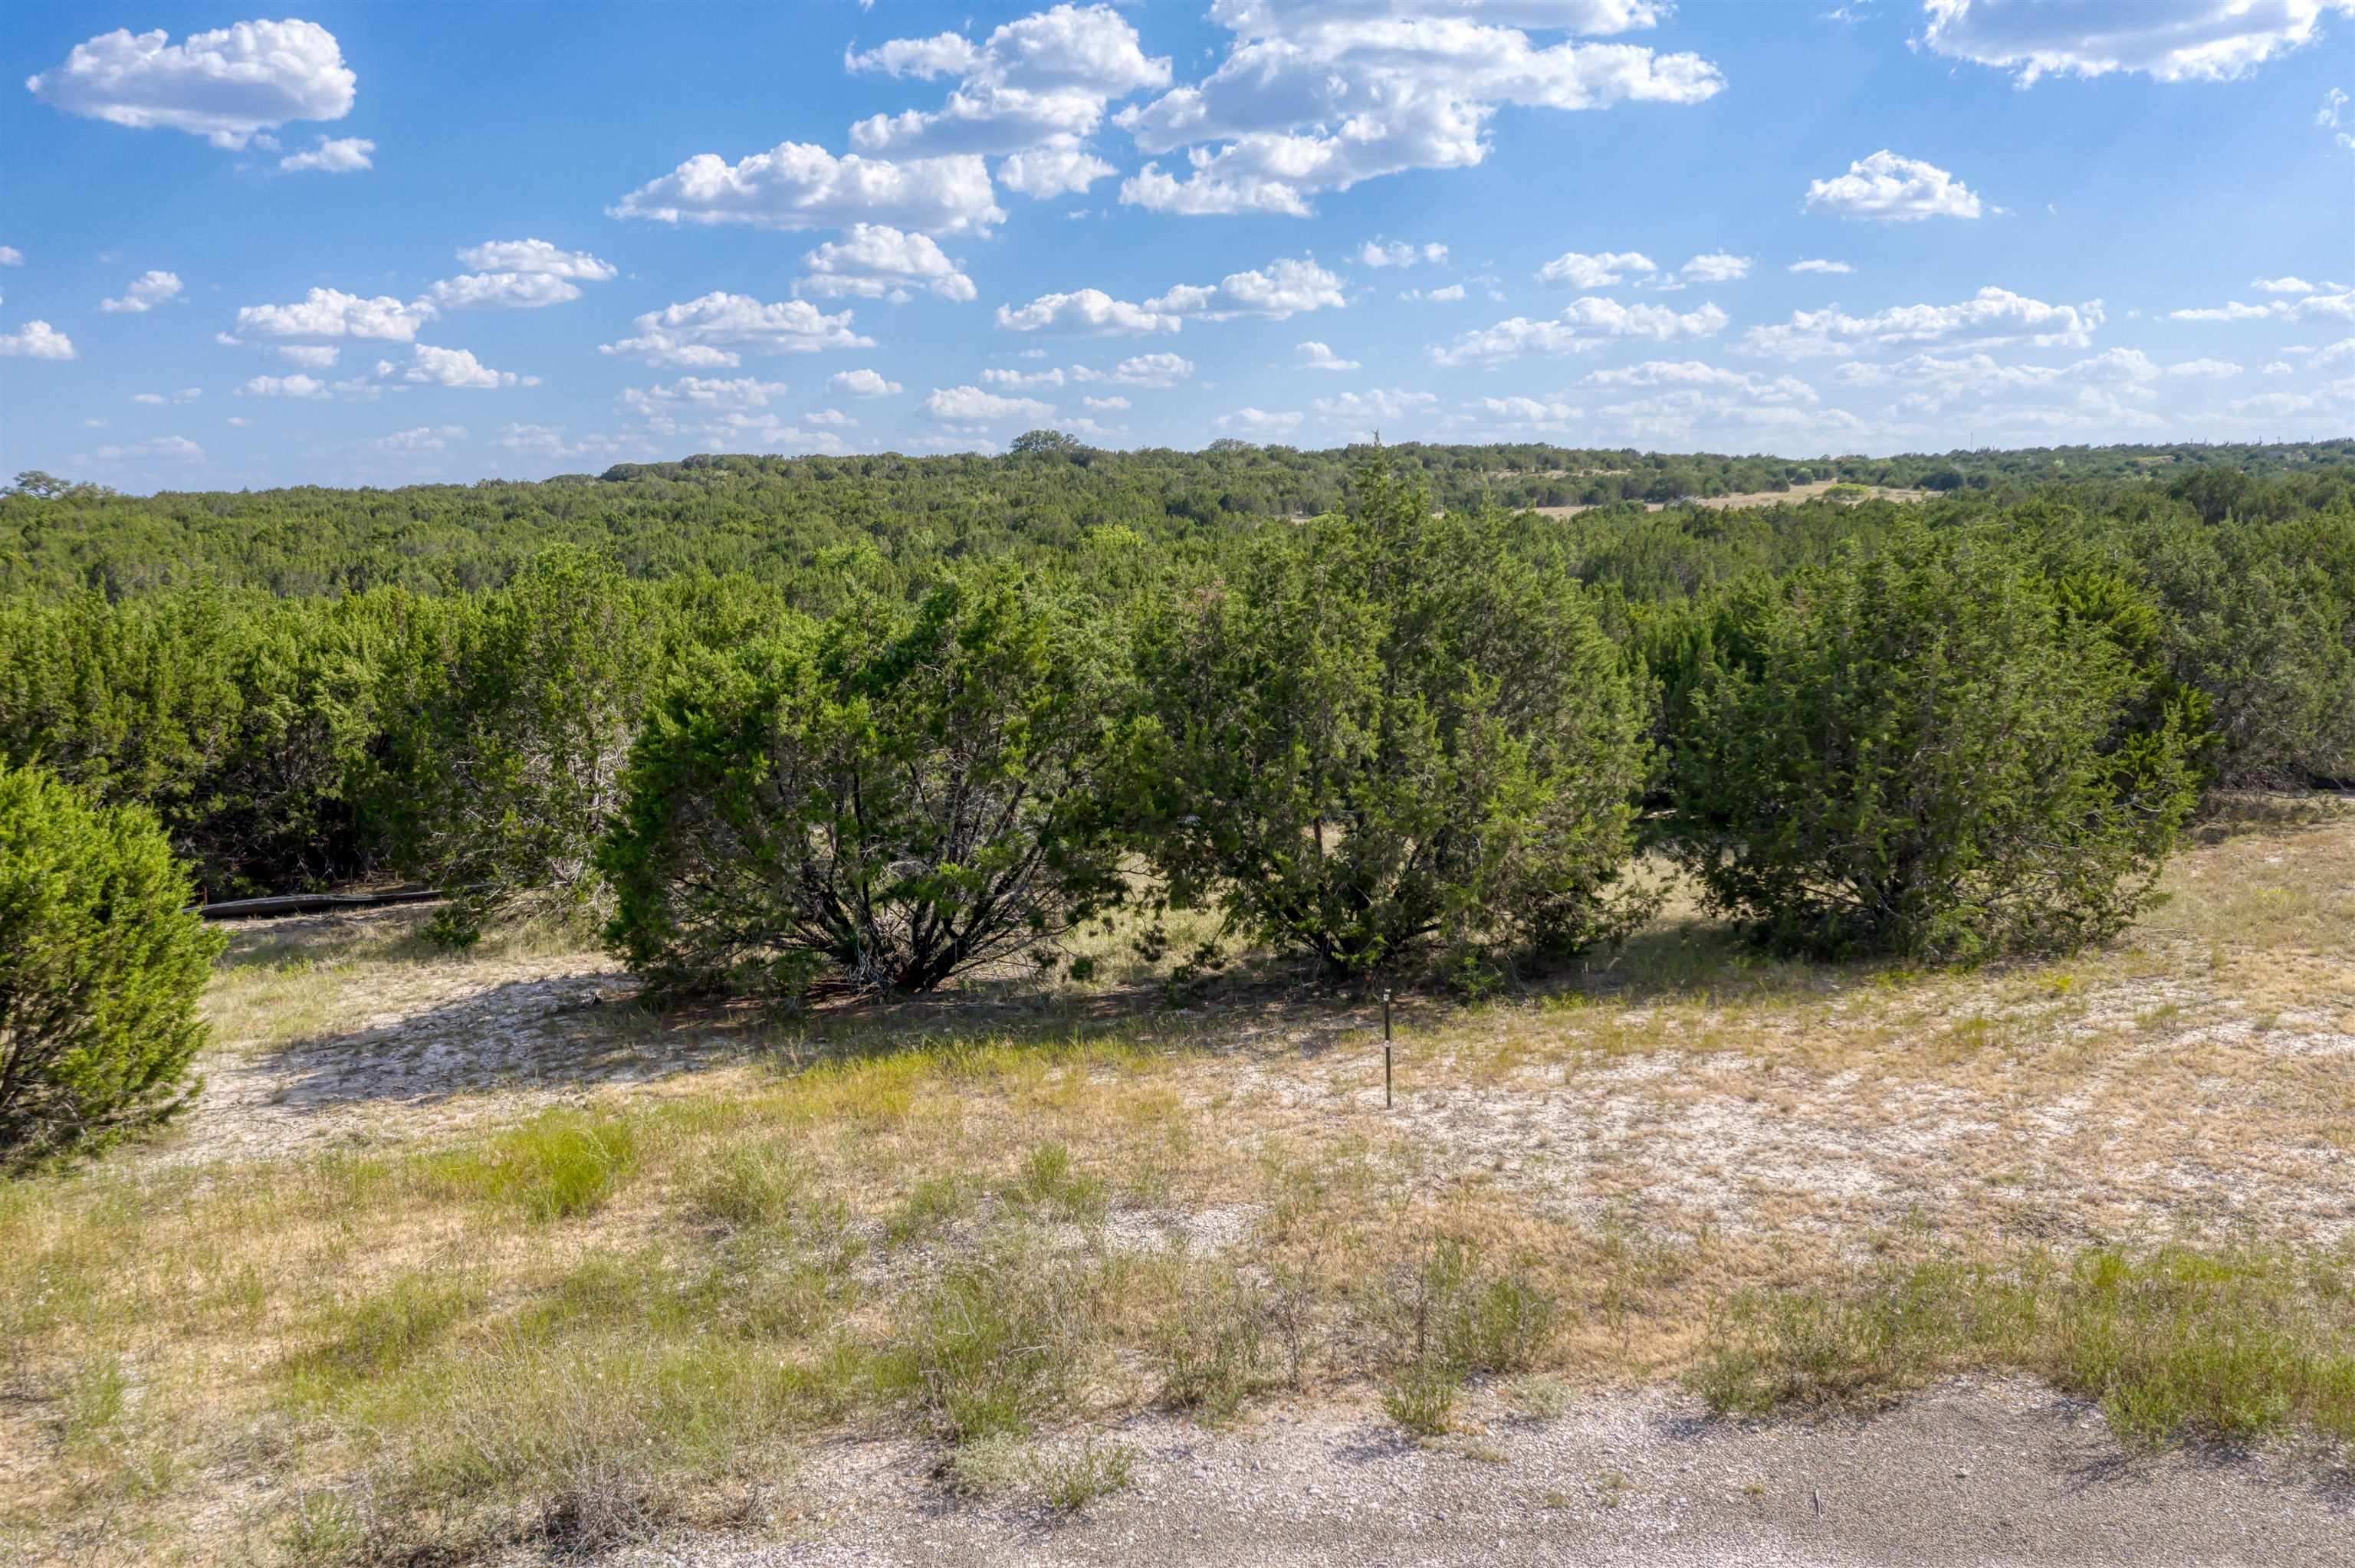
<point>1996,1472</point>
<point>1750,498</point>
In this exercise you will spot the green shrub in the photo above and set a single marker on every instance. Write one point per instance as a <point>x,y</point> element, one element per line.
<point>1389,732</point>
<point>1927,754</point>
<point>99,970</point>
<point>898,797</point>
<point>513,715</point>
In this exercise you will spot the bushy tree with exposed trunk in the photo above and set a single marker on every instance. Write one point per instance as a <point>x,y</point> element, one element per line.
<point>1391,733</point>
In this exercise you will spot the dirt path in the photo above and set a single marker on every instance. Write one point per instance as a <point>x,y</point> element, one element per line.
<point>1982,1474</point>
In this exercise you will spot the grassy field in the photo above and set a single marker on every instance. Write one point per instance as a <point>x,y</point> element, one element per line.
<point>462,1251</point>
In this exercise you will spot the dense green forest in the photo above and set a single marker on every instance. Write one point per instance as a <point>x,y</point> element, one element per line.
<point>803,523</point>
<point>317,686</point>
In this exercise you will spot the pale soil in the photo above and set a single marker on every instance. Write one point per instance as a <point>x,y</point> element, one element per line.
<point>1750,498</point>
<point>2196,1081</point>
<point>1984,1473</point>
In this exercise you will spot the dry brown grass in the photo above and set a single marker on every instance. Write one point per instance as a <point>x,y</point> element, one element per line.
<point>560,1270</point>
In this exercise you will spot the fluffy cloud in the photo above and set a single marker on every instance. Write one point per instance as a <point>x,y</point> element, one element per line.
<point>1587,323</point>
<point>705,334</point>
<point>343,155</point>
<point>1044,80</point>
<point>1675,417</point>
<point>1698,373</point>
<point>177,448</point>
<point>1283,287</point>
<point>538,256</point>
<point>1089,313</point>
<point>2338,306</point>
<point>864,384</point>
<point>1115,402</point>
<point>2205,369</point>
<point>879,262</point>
<point>1399,253</point>
<point>1932,384</point>
<point>11,257</point>
<point>310,356</point>
<point>1259,423</point>
<point>1989,317</point>
<point>1891,190</point>
<point>1321,94</point>
<point>2187,41</point>
<point>424,439</point>
<point>797,185</point>
<point>1042,173</point>
<point>1717,267</point>
<point>459,367</point>
<point>1023,378</point>
<point>1447,296</point>
<point>185,394</point>
<point>284,386</point>
<point>36,340</point>
<point>1314,356</point>
<point>1365,410</point>
<point>1576,270</point>
<point>2331,117</point>
<point>1154,370</point>
<point>146,291</point>
<point>2282,286</point>
<point>330,312</point>
<point>223,85</point>
<point>1539,413</point>
<point>501,291</point>
<point>1834,267</point>
<point>972,406</point>
<point>699,404</point>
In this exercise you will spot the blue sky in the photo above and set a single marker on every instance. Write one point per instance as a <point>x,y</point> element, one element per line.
<point>384,244</point>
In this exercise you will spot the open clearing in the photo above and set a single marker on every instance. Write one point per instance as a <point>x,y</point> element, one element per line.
<point>472,1255</point>
<point>1750,498</point>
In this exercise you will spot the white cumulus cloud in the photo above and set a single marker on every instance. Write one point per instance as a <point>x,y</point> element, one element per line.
<point>795,184</point>
<point>1576,270</point>
<point>1314,356</point>
<point>36,340</point>
<point>297,385</point>
<point>1989,317</point>
<point>864,384</point>
<point>972,405</point>
<point>1259,421</point>
<point>1320,95</point>
<point>146,291</point>
<point>1890,189</point>
<point>1586,323</point>
<point>2170,40</point>
<point>706,333</point>
<point>877,261</point>
<point>1817,265</point>
<point>459,367</point>
<point>223,85</point>
<point>341,155</point>
<point>1087,312</point>
<point>1283,287</point>
<point>331,312</point>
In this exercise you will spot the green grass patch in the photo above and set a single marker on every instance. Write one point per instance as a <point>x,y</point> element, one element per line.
<point>2172,1343</point>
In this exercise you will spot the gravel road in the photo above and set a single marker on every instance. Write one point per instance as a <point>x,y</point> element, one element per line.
<point>1978,1473</point>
